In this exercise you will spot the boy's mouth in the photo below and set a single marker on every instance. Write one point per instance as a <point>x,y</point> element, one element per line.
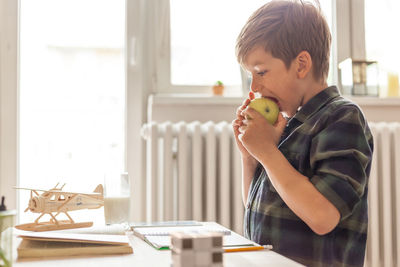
<point>275,100</point>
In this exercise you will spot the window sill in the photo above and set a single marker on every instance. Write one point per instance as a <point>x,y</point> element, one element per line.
<point>375,101</point>
<point>208,99</point>
<point>193,99</point>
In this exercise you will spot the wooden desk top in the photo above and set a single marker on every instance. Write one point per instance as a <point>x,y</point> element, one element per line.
<point>145,255</point>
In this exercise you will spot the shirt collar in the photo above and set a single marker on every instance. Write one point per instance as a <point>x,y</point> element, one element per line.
<point>312,106</point>
<point>316,103</point>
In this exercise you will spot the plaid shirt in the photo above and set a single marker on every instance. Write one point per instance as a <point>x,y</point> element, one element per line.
<point>328,141</point>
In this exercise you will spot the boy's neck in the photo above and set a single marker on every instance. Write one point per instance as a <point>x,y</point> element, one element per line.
<point>312,89</point>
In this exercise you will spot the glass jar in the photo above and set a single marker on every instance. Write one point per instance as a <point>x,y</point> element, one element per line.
<point>116,198</point>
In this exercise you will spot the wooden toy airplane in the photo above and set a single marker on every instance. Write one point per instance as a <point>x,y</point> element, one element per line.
<point>54,202</point>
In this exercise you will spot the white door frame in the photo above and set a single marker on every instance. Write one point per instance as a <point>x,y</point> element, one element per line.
<point>9,28</point>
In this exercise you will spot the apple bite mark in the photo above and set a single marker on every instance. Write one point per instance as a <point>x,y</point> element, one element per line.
<point>267,107</point>
<point>275,100</point>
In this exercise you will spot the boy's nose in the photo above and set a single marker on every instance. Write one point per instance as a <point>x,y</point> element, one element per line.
<point>253,86</point>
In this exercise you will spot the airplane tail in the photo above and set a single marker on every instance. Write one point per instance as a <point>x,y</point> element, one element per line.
<point>99,189</point>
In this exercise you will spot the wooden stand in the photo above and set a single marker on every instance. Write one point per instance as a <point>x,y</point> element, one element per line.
<point>51,226</point>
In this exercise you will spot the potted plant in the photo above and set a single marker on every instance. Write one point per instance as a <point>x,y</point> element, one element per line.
<point>218,88</point>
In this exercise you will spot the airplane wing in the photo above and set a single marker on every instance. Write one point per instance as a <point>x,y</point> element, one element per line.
<point>80,193</point>
<point>65,192</point>
<point>34,189</point>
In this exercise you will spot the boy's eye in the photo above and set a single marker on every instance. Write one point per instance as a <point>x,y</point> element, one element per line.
<point>261,73</point>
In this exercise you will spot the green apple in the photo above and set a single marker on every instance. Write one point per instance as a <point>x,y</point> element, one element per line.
<point>266,107</point>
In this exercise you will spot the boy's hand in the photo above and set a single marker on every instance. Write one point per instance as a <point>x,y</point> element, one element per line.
<point>257,135</point>
<point>238,122</point>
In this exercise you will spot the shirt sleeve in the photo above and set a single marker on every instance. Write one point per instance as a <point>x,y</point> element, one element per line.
<point>341,156</point>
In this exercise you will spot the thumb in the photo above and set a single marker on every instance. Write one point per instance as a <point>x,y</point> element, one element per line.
<point>281,122</point>
<point>251,113</point>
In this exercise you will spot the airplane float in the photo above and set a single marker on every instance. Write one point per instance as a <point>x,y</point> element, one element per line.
<point>54,202</point>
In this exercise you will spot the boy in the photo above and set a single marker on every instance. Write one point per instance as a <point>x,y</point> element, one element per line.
<point>305,179</point>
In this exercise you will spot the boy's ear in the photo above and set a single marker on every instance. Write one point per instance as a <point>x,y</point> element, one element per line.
<point>304,64</point>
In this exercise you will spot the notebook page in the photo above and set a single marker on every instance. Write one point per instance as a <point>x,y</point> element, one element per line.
<point>166,231</point>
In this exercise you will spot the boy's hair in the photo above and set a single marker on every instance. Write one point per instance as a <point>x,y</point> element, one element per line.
<point>285,28</point>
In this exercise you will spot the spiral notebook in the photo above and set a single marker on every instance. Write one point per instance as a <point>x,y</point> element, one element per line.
<point>159,237</point>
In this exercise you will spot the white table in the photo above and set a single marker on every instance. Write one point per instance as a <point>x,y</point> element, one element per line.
<point>145,255</point>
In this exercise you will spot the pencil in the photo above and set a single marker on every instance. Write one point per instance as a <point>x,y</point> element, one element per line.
<point>238,249</point>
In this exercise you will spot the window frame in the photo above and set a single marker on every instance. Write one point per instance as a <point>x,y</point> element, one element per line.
<point>9,10</point>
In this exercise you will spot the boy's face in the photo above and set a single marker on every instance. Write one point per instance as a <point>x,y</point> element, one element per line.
<point>271,78</point>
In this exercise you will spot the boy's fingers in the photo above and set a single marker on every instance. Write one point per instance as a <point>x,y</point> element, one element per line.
<point>250,112</point>
<point>239,115</point>
<point>251,95</point>
<point>236,122</point>
<point>281,122</point>
<point>238,111</point>
<point>242,107</point>
<point>244,101</point>
<point>281,119</point>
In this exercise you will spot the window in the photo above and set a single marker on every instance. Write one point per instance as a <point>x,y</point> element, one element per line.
<point>381,39</point>
<point>202,43</point>
<point>203,37</point>
<point>72,95</point>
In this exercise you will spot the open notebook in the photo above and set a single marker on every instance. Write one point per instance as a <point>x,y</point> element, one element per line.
<point>159,236</point>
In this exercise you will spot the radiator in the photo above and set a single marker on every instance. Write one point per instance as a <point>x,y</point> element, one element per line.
<point>383,244</point>
<point>193,172</point>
